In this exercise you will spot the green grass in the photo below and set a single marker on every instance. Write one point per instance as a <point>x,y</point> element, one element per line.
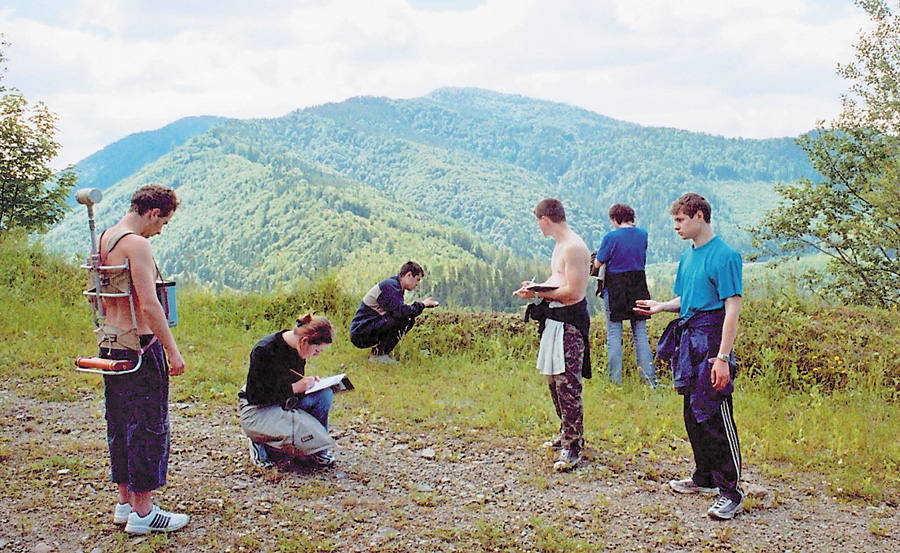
<point>817,392</point>
<point>849,437</point>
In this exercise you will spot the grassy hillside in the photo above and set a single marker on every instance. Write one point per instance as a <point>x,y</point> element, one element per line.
<point>449,179</point>
<point>817,390</point>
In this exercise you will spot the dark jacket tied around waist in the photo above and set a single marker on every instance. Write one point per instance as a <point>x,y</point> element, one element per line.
<point>624,289</point>
<point>575,315</point>
<point>687,346</point>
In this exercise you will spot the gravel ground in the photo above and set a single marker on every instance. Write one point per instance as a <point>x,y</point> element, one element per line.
<point>395,489</point>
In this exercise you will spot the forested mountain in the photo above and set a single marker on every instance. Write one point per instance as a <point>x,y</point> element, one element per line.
<point>264,226</point>
<point>449,179</point>
<point>487,158</point>
<point>125,157</point>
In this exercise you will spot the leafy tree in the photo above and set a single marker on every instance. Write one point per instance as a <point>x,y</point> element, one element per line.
<point>31,196</point>
<point>853,213</point>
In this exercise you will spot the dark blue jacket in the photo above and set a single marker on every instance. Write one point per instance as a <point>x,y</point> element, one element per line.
<point>687,346</point>
<point>384,300</point>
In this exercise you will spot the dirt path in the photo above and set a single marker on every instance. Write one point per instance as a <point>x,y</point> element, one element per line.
<point>391,491</point>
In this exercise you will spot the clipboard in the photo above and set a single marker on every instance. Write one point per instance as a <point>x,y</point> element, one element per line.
<point>339,382</point>
<point>541,288</point>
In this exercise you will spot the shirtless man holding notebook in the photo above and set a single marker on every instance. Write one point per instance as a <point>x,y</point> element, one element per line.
<point>564,357</point>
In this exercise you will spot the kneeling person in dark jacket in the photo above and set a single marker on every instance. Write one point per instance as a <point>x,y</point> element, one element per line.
<point>383,318</point>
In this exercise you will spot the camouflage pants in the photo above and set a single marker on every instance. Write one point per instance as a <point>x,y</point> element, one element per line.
<point>565,390</point>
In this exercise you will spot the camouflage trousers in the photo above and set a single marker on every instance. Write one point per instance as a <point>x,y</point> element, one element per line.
<point>565,390</point>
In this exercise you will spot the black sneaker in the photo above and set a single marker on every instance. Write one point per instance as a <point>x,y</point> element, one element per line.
<point>258,455</point>
<point>324,458</point>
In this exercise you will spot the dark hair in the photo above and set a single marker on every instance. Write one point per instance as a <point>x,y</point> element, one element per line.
<point>552,208</point>
<point>621,213</point>
<point>154,196</point>
<point>317,330</point>
<point>412,267</point>
<point>690,204</point>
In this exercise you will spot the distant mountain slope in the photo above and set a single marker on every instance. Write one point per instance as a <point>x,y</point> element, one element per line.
<point>450,179</point>
<point>487,158</point>
<point>265,224</point>
<point>125,157</point>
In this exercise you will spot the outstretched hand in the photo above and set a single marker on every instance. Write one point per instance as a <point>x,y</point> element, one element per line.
<point>648,307</point>
<point>430,302</point>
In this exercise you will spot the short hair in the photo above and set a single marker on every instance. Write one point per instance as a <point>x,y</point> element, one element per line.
<point>621,213</point>
<point>690,204</point>
<point>154,196</point>
<point>317,330</point>
<point>412,267</point>
<point>551,208</point>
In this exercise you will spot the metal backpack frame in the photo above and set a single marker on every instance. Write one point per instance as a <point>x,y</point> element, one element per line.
<point>88,197</point>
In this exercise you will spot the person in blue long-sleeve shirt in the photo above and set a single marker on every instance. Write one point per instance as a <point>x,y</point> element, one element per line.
<point>383,318</point>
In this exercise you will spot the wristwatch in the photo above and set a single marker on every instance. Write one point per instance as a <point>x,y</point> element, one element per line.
<point>724,357</point>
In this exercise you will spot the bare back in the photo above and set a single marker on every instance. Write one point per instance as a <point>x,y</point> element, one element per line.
<point>134,249</point>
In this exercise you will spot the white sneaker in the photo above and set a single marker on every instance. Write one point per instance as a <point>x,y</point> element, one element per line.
<point>258,455</point>
<point>567,460</point>
<point>157,520</point>
<point>120,516</point>
<point>324,458</point>
<point>689,486</point>
<point>384,359</point>
<point>725,509</point>
<point>552,445</point>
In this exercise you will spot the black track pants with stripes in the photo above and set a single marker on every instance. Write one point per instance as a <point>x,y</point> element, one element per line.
<point>717,450</point>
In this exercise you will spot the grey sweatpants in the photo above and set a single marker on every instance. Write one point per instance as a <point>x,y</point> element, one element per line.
<point>294,432</point>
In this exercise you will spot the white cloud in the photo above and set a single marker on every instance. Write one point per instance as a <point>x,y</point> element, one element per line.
<point>753,68</point>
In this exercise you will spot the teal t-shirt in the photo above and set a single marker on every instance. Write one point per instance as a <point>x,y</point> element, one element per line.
<point>707,276</point>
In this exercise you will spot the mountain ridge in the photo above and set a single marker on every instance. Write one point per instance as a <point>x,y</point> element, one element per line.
<point>127,155</point>
<point>455,174</point>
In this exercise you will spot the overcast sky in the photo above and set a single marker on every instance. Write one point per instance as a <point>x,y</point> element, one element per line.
<point>109,68</point>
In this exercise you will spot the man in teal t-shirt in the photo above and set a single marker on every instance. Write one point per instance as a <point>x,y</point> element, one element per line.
<point>707,275</point>
<point>698,345</point>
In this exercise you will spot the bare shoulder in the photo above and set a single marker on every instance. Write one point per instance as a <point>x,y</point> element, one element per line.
<point>135,242</point>
<point>136,248</point>
<point>576,249</point>
<point>577,260</point>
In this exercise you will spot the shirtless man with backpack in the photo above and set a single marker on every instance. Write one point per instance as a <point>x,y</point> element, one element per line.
<point>137,404</point>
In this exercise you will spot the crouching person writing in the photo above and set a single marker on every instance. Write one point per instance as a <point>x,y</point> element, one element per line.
<point>276,412</point>
<point>383,318</point>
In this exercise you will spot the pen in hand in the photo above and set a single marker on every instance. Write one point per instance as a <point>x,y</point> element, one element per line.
<point>524,287</point>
